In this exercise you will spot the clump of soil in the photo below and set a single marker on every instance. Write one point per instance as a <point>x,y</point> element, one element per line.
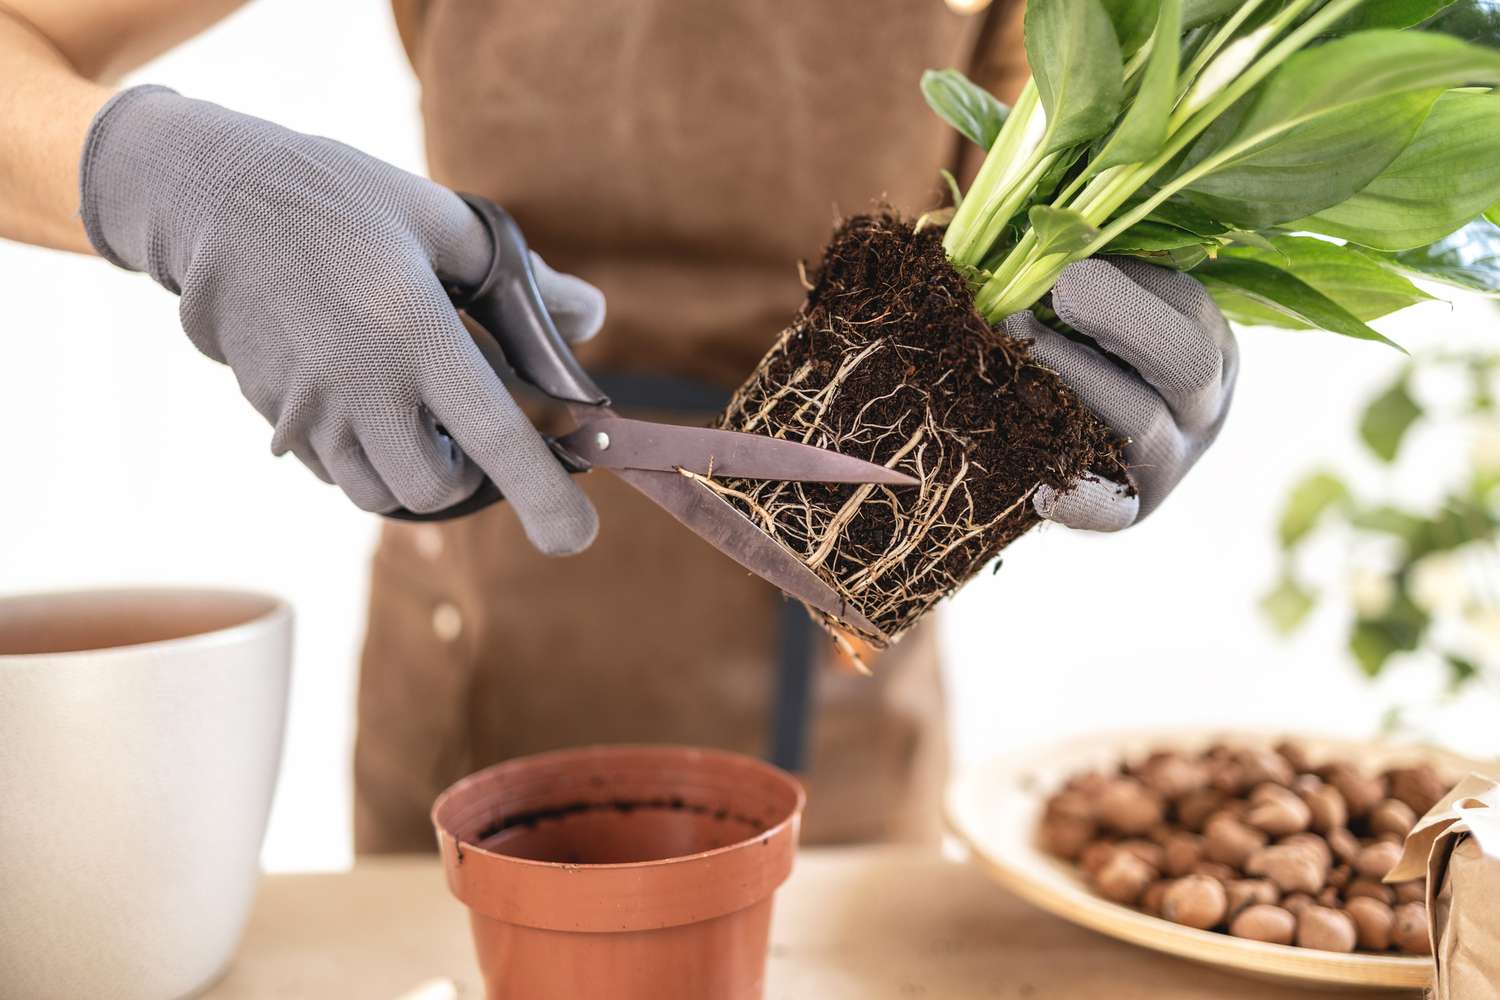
<point>889,362</point>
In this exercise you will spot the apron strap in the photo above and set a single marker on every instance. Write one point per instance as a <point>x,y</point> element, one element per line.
<point>643,391</point>
<point>791,717</point>
<point>792,700</point>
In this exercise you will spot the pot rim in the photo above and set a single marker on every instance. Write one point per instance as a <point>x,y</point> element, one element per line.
<point>278,612</point>
<point>465,847</point>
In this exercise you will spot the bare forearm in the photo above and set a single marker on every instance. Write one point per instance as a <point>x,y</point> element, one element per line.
<point>53,55</point>
<point>45,110</point>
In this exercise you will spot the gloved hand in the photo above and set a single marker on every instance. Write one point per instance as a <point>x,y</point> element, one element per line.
<point>319,275</point>
<point>1163,324</point>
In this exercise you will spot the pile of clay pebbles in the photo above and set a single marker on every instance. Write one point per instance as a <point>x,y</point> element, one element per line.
<point>1260,844</point>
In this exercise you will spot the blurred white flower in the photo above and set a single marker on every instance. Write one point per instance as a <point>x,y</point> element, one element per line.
<point>1371,592</point>
<point>1484,450</point>
<point>1438,583</point>
<point>1484,625</point>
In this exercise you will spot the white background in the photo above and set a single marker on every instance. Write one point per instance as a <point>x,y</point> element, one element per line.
<point>130,458</point>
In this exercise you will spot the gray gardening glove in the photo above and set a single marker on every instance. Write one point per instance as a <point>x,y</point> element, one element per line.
<point>1163,324</point>
<point>319,275</point>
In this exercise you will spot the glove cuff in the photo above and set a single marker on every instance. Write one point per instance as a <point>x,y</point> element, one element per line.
<point>154,166</point>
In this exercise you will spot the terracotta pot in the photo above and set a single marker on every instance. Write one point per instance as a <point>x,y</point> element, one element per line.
<point>140,732</point>
<point>627,872</point>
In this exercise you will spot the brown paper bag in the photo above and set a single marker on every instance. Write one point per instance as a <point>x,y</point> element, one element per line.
<point>1457,845</point>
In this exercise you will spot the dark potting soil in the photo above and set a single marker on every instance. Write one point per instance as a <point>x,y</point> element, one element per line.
<point>614,831</point>
<point>888,358</point>
<point>531,818</point>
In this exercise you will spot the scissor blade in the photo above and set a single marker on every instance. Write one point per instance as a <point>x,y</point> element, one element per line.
<point>738,537</point>
<point>621,443</point>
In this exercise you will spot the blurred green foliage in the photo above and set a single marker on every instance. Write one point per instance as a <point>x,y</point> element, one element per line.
<point>1430,586</point>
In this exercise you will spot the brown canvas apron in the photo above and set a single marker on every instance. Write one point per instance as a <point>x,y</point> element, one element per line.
<point>683,155</point>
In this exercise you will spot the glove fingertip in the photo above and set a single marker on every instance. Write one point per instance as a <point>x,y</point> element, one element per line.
<point>588,320</point>
<point>1023,326</point>
<point>1091,505</point>
<point>1079,278</point>
<point>564,530</point>
<point>576,306</point>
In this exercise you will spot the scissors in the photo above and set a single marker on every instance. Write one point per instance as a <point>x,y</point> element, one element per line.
<point>651,457</point>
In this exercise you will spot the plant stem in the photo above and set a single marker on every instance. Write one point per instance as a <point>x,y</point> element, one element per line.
<point>1008,161</point>
<point>1212,46</point>
<point>1226,72</point>
<point>1000,215</point>
<point>1012,264</point>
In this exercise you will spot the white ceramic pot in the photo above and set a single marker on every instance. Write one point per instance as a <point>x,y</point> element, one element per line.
<point>140,733</point>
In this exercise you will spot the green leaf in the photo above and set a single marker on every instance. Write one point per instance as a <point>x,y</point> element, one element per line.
<point>1287,604</point>
<point>1200,12</point>
<point>1461,520</point>
<point>1375,640</point>
<point>1390,14</point>
<point>1306,503</point>
<point>1281,173</point>
<point>1189,217</point>
<point>1282,292</point>
<point>1060,230</point>
<point>1482,397</point>
<point>1326,123</point>
<point>1448,175</point>
<point>1371,647</point>
<point>1177,258</point>
<point>1386,420</point>
<point>1392,721</point>
<point>1250,238</point>
<point>1470,258</point>
<point>1143,129</point>
<point>1242,311</point>
<point>965,105</point>
<point>1149,235</point>
<point>1472,20</point>
<point>1392,521</point>
<point>1460,671</point>
<point>1163,245</point>
<point>1075,61</point>
<point>1062,165</point>
<point>1369,65</point>
<point>1493,213</point>
<point>1457,524</point>
<point>1364,286</point>
<point>1133,21</point>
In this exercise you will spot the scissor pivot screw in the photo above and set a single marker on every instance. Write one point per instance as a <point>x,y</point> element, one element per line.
<point>601,441</point>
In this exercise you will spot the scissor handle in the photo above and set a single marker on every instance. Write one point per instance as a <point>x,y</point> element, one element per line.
<point>508,304</point>
<point>488,493</point>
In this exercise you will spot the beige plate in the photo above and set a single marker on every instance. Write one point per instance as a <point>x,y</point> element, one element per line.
<point>994,808</point>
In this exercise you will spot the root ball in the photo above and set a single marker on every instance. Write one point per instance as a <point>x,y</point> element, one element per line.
<point>888,361</point>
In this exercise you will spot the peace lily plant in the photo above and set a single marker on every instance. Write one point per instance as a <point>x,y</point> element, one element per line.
<point>1301,158</point>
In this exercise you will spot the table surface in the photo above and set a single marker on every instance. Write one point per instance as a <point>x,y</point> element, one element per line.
<point>868,923</point>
